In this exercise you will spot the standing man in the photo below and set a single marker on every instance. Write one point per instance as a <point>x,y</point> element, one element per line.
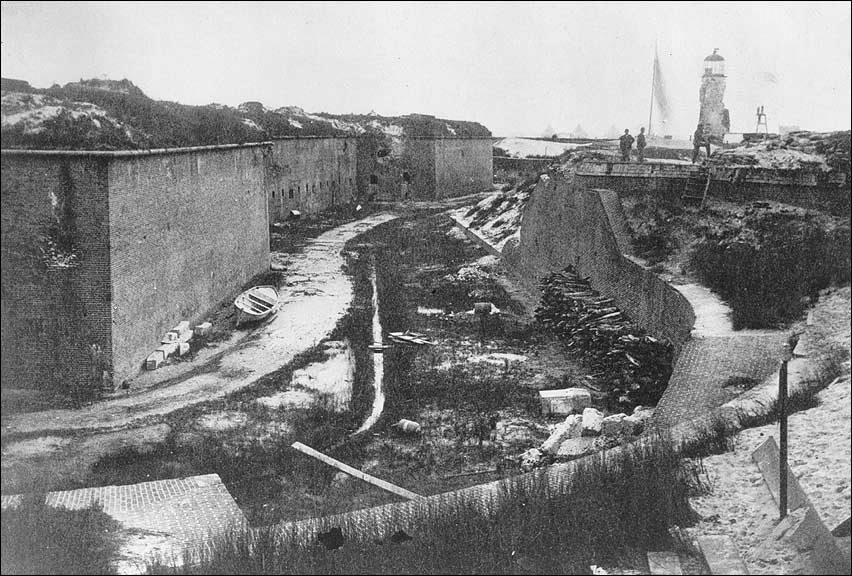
<point>625,143</point>
<point>640,145</point>
<point>699,140</point>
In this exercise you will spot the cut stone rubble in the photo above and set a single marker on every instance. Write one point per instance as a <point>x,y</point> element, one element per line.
<point>565,401</point>
<point>592,422</point>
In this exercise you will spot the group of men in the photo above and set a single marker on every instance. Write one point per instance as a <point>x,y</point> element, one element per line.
<point>625,142</point>
<point>626,145</point>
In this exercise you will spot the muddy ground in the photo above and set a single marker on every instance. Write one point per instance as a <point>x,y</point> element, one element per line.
<point>474,392</point>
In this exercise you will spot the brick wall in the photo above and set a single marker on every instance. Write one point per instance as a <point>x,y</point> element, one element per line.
<point>187,230</point>
<point>54,309</point>
<point>463,166</point>
<point>310,174</point>
<point>565,224</point>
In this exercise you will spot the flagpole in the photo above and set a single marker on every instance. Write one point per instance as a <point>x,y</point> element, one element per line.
<point>653,81</point>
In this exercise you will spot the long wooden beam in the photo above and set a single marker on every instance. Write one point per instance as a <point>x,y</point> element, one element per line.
<point>378,482</point>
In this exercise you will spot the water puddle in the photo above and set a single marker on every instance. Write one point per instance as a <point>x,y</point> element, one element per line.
<point>378,361</point>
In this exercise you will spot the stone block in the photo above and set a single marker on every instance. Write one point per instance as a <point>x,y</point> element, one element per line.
<point>181,327</point>
<point>169,337</point>
<point>185,336</point>
<point>667,563</point>
<point>576,447</point>
<point>531,459</point>
<point>612,425</point>
<point>168,349</point>
<point>183,348</point>
<point>592,421</point>
<point>644,413</point>
<point>203,329</point>
<point>633,425</point>
<point>564,401</point>
<point>572,427</point>
<point>153,361</point>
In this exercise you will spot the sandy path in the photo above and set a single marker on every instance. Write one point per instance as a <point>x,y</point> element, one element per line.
<point>820,456</point>
<point>317,296</point>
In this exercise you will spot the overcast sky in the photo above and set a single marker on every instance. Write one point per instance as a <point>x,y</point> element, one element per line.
<point>515,67</point>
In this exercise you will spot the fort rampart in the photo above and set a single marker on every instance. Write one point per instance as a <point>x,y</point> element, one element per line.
<point>103,252</point>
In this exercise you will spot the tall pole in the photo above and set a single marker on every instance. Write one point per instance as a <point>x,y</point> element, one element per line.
<point>782,450</point>
<point>653,81</point>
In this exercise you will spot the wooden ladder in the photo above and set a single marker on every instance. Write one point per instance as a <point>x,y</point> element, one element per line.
<point>696,187</point>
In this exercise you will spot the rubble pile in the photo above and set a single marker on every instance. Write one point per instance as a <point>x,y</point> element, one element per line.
<point>582,434</point>
<point>630,366</point>
<point>824,151</point>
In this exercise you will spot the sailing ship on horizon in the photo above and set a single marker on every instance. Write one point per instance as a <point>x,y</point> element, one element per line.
<point>660,98</point>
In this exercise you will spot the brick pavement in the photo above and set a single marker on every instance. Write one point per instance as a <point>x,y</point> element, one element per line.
<point>163,518</point>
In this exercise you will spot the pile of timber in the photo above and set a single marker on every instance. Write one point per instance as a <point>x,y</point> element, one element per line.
<point>630,365</point>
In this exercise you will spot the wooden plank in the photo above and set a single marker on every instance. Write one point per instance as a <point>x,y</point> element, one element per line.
<point>721,555</point>
<point>767,458</point>
<point>664,563</point>
<point>378,482</point>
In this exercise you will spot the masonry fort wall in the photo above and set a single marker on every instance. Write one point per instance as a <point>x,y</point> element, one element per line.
<point>56,271</point>
<point>103,252</point>
<point>187,230</point>
<point>566,224</point>
<point>463,166</point>
<point>311,174</point>
<point>421,168</point>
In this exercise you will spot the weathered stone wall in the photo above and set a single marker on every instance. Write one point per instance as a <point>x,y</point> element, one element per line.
<point>406,168</point>
<point>462,166</point>
<point>384,163</point>
<point>55,271</point>
<point>186,230</point>
<point>806,188</point>
<point>565,224</point>
<point>310,174</point>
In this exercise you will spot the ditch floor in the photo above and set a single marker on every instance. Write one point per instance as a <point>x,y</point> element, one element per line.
<point>474,393</point>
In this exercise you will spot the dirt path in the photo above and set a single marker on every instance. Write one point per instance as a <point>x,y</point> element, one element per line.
<point>315,298</point>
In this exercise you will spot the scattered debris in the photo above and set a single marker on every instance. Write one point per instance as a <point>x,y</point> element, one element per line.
<point>592,421</point>
<point>407,426</point>
<point>203,329</point>
<point>635,366</point>
<point>564,401</point>
<point>409,337</point>
<point>379,348</point>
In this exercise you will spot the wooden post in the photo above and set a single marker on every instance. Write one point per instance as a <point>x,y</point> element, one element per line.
<point>782,449</point>
<point>356,473</point>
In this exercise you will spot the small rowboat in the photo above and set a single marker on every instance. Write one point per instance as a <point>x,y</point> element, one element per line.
<point>257,303</point>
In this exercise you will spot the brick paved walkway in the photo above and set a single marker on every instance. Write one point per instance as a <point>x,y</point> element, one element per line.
<point>164,518</point>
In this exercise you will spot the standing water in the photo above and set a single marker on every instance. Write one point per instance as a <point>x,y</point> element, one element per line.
<point>378,360</point>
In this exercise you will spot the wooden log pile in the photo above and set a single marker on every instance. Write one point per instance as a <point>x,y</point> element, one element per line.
<point>630,366</point>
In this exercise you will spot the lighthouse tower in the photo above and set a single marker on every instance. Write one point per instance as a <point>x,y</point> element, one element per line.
<point>714,116</point>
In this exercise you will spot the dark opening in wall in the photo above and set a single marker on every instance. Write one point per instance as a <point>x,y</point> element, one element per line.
<point>406,177</point>
<point>290,194</point>
<point>374,179</point>
<point>382,152</point>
